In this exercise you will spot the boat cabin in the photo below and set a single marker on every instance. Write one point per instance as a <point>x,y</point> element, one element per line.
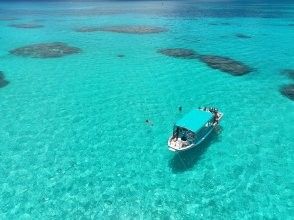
<point>192,128</point>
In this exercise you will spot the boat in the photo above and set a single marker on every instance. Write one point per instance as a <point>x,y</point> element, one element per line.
<point>193,128</point>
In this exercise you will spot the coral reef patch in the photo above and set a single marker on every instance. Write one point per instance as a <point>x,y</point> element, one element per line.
<point>243,36</point>
<point>179,53</point>
<point>226,64</point>
<point>3,81</point>
<point>288,91</point>
<point>26,26</point>
<point>45,50</point>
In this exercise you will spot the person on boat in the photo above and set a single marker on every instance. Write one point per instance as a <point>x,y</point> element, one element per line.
<point>216,116</point>
<point>184,141</point>
<point>190,137</point>
<point>176,134</point>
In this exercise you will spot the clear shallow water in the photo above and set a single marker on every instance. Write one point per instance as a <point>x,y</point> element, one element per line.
<point>72,134</point>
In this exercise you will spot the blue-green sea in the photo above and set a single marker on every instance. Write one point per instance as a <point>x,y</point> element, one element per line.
<point>73,139</point>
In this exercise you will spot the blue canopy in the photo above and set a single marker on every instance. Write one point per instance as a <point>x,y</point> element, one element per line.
<point>195,120</point>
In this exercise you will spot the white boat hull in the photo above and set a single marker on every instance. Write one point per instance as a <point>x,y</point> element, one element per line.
<point>178,148</point>
<point>171,148</point>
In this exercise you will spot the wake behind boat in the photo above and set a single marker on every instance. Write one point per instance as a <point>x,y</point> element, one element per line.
<point>192,129</point>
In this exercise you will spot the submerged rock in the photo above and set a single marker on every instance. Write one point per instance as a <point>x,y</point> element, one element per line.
<point>179,53</point>
<point>289,73</point>
<point>3,81</point>
<point>133,29</point>
<point>45,50</point>
<point>225,64</point>
<point>288,91</point>
<point>243,36</point>
<point>26,26</point>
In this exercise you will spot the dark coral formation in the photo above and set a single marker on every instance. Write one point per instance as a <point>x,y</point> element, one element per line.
<point>289,73</point>
<point>288,91</point>
<point>133,29</point>
<point>225,64</point>
<point>179,53</point>
<point>26,25</point>
<point>45,50</point>
<point>3,81</point>
<point>243,36</point>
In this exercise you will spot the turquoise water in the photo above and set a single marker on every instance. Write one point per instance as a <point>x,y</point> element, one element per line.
<point>73,138</point>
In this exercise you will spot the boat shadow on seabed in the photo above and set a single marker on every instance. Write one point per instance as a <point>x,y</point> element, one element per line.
<point>186,160</point>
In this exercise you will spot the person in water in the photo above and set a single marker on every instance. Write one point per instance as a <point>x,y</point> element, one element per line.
<point>180,108</point>
<point>148,122</point>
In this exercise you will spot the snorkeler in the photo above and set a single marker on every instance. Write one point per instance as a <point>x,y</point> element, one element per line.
<point>148,122</point>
